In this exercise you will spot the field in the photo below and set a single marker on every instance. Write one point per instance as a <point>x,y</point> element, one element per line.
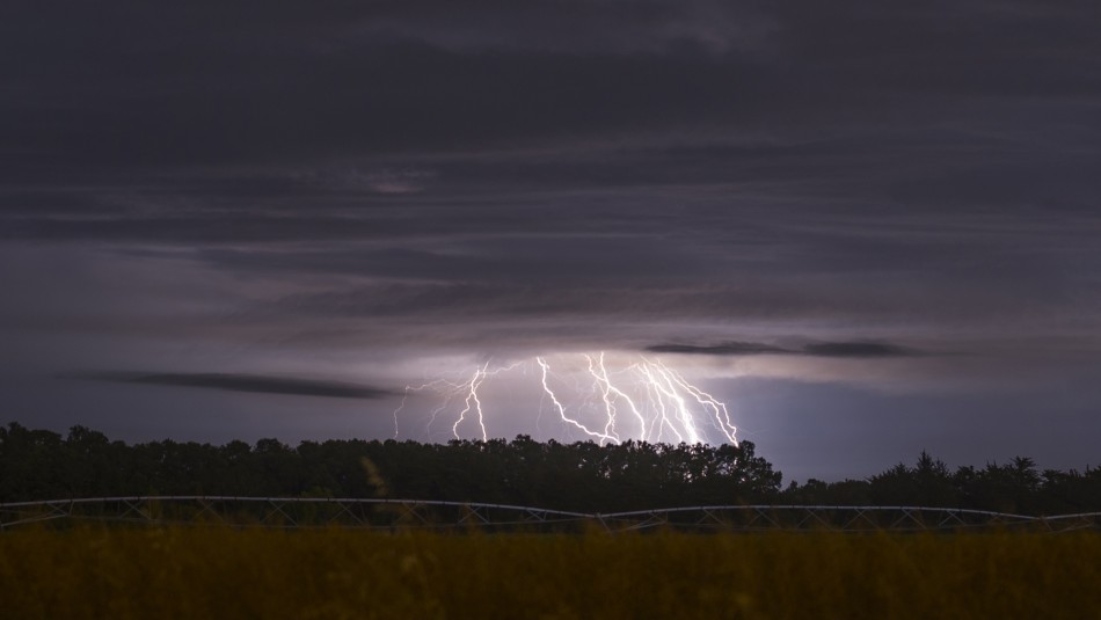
<point>220,572</point>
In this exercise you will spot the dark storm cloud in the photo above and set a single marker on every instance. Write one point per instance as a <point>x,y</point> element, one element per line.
<point>854,349</point>
<point>784,159</point>
<point>242,82</point>
<point>729,124</point>
<point>858,349</point>
<point>537,258</point>
<point>240,383</point>
<point>725,348</point>
<point>376,97</point>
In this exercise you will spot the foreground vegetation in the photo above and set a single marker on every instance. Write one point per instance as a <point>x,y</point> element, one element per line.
<point>200,572</point>
<point>582,476</point>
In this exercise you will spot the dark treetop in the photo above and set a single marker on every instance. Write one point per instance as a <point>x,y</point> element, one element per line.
<point>37,464</point>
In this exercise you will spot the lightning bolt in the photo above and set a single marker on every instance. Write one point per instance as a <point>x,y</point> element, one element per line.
<point>717,407</point>
<point>646,400</point>
<point>670,399</point>
<point>448,390</point>
<point>605,436</point>
<point>473,402</point>
<point>611,394</point>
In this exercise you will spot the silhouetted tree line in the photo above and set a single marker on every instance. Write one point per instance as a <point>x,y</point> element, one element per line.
<point>583,476</point>
<point>1016,487</point>
<point>39,464</point>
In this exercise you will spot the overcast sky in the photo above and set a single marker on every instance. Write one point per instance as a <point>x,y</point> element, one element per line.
<point>869,228</point>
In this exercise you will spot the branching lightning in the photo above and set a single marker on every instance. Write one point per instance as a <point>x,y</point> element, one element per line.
<point>603,437</point>
<point>643,399</point>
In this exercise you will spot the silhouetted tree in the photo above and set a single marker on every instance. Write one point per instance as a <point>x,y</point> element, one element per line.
<point>37,464</point>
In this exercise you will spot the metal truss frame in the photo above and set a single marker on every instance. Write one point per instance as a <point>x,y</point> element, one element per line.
<point>390,514</point>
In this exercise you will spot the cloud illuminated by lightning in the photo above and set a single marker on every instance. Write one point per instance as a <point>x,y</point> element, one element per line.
<point>641,398</point>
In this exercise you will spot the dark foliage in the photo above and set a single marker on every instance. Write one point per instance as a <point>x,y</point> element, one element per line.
<point>37,464</point>
<point>583,476</point>
<point>1015,487</point>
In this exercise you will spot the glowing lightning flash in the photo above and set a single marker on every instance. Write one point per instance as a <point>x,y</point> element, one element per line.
<point>562,410</point>
<point>611,393</point>
<point>645,400</point>
<point>473,402</point>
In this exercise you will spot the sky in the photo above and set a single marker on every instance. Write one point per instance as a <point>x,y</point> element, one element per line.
<point>866,228</point>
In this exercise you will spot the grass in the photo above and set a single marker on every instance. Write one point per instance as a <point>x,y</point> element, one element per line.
<point>225,573</point>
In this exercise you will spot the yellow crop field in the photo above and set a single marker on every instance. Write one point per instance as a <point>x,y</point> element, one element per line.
<point>226,573</point>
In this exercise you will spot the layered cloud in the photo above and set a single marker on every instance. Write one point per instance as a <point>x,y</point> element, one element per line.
<point>233,382</point>
<point>854,349</point>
